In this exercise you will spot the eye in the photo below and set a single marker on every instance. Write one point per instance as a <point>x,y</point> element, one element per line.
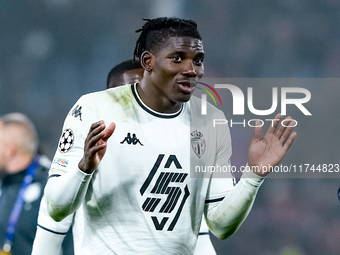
<point>198,61</point>
<point>177,58</point>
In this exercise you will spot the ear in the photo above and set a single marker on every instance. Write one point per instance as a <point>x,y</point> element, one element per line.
<point>147,60</point>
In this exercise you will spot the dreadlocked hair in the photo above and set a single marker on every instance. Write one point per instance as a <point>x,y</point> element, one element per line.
<point>155,32</point>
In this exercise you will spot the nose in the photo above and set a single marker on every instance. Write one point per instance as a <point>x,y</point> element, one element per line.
<point>189,69</point>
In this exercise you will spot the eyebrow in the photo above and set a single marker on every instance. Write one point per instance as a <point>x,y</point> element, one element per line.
<point>200,53</point>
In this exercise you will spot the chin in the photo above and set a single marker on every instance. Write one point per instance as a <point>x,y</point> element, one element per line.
<point>184,98</point>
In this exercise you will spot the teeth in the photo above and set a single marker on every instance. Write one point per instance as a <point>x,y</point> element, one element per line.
<point>185,84</point>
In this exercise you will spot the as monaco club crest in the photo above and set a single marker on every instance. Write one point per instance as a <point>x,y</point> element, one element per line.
<point>198,143</point>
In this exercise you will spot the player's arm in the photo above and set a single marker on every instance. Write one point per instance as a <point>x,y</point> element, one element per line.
<point>50,234</point>
<point>46,242</point>
<point>225,215</point>
<point>227,211</point>
<point>72,186</point>
<point>80,154</point>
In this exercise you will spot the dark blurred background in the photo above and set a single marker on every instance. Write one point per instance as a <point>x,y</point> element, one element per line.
<point>53,51</point>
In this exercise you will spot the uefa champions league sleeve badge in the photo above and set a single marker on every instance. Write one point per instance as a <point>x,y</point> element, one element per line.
<point>66,141</point>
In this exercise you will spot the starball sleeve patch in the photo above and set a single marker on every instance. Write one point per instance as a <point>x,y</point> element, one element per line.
<point>66,141</point>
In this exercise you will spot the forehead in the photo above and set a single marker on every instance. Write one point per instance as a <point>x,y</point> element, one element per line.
<point>174,44</point>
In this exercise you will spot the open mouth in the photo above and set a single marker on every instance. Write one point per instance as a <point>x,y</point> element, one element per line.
<point>187,86</point>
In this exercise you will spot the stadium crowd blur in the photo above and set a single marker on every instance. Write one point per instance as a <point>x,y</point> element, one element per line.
<point>53,51</point>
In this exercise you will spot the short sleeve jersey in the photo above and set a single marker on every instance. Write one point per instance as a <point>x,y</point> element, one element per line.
<point>142,199</point>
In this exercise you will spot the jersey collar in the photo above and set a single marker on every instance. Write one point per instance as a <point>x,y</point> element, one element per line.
<point>149,110</point>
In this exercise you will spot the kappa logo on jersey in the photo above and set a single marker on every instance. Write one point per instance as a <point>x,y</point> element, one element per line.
<point>131,140</point>
<point>163,186</point>
<point>198,143</point>
<point>76,112</point>
<point>66,141</point>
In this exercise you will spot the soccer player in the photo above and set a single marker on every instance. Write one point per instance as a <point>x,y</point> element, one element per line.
<point>50,234</point>
<point>136,195</point>
<point>130,72</point>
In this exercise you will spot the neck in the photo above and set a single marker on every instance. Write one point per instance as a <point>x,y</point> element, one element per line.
<point>156,100</point>
<point>18,163</point>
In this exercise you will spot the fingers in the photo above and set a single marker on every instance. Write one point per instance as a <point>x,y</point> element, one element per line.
<point>98,135</point>
<point>274,124</point>
<point>281,132</point>
<point>95,127</point>
<point>95,146</point>
<point>257,131</point>
<point>99,141</point>
<point>284,132</point>
<point>287,130</point>
<point>289,141</point>
<point>282,128</point>
<point>95,133</point>
<point>109,131</point>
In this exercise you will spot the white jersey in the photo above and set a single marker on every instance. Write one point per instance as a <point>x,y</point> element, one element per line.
<point>141,199</point>
<point>204,245</point>
<point>50,241</point>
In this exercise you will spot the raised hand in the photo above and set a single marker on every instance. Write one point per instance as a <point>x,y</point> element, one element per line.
<point>95,146</point>
<point>271,149</point>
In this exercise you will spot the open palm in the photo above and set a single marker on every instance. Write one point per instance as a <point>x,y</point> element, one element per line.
<point>271,149</point>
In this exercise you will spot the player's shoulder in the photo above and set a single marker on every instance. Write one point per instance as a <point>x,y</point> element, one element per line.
<point>196,105</point>
<point>107,98</point>
<point>112,93</point>
<point>93,106</point>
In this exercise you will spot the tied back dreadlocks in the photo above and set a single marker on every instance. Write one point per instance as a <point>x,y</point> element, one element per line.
<point>155,33</point>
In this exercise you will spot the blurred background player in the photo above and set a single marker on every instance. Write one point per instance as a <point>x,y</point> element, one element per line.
<point>127,72</point>
<point>24,174</point>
